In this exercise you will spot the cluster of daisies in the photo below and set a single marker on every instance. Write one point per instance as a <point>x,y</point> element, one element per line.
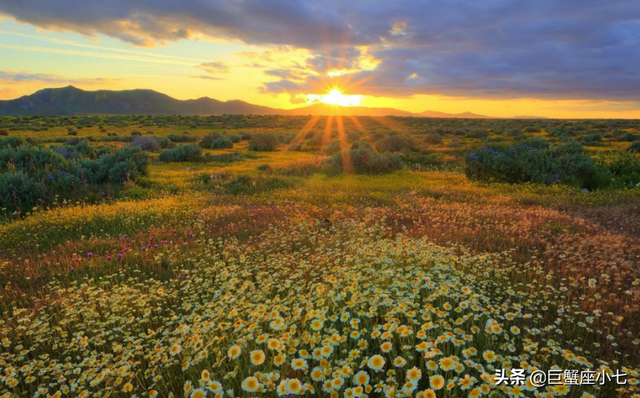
<point>333,311</point>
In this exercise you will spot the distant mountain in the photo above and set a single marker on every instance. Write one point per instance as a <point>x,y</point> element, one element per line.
<point>465,115</point>
<point>73,101</point>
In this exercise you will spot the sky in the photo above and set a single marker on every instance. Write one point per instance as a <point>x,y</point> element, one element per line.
<point>503,58</point>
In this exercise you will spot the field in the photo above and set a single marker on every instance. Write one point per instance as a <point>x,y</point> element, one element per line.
<point>288,264</point>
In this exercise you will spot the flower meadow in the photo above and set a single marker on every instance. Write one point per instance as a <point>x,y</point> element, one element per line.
<point>264,276</point>
<point>353,308</point>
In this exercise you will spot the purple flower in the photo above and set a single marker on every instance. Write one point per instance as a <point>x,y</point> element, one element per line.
<point>119,256</point>
<point>89,254</point>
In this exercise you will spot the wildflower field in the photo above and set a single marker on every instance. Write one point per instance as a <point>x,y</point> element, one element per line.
<point>287,268</point>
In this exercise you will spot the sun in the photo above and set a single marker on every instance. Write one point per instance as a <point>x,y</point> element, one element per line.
<point>335,97</point>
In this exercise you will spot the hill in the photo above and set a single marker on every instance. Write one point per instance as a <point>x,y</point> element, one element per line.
<point>71,100</point>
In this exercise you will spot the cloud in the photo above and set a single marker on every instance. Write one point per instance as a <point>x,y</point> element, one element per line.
<point>25,77</point>
<point>548,49</point>
<point>207,77</point>
<point>214,67</point>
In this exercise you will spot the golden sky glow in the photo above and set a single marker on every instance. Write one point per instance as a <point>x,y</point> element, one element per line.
<point>335,97</point>
<point>279,76</point>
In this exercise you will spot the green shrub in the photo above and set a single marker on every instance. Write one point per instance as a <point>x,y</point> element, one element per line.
<point>263,142</point>
<point>182,153</point>
<point>592,139</point>
<point>234,138</point>
<point>182,138</point>
<point>433,138</point>
<point>146,143</point>
<point>361,145</point>
<point>634,147</point>
<point>222,143</point>
<point>624,168</point>
<point>126,163</point>
<point>333,147</point>
<point>629,137</point>
<point>13,142</point>
<point>32,175</point>
<point>364,161</point>
<point>394,143</point>
<point>208,139</point>
<point>165,143</point>
<point>537,162</point>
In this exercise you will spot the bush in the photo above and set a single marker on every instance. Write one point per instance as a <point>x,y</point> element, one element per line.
<point>433,138</point>
<point>234,138</point>
<point>182,138</point>
<point>4,132</point>
<point>222,143</point>
<point>592,139</point>
<point>165,143</point>
<point>538,163</point>
<point>263,142</point>
<point>33,175</point>
<point>127,163</point>
<point>208,139</point>
<point>365,161</point>
<point>394,143</point>
<point>146,143</point>
<point>629,137</point>
<point>361,145</point>
<point>333,147</point>
<point>13,142</point>
<point>624,168</point>
<point>182,153</point>
<point>634,147</point>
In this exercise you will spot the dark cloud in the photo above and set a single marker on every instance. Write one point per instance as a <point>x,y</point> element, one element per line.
<point>557,49</point>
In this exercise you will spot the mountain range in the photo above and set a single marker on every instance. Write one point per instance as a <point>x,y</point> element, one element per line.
<point>74,101</point>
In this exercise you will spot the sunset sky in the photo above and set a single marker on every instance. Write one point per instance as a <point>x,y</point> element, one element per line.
<point>553,58</point>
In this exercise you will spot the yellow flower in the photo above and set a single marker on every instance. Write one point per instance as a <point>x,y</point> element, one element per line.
<point>198,393</point>
<point>234,352</point>
<point>257,357</point>
<point>436,382</point>
<point>250,384</point>
<point>376,362</point>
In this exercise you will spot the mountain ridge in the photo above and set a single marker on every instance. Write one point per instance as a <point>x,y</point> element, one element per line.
<point>71,100</point>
